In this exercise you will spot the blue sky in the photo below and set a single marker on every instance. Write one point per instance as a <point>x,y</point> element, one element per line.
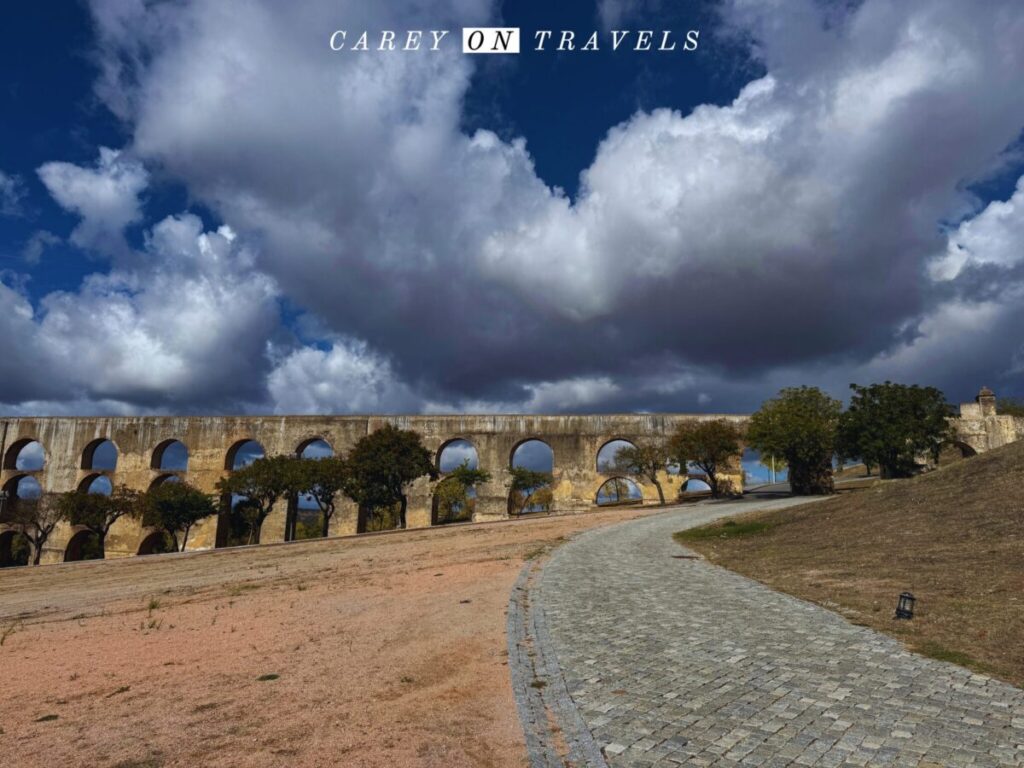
<point>203,208</point>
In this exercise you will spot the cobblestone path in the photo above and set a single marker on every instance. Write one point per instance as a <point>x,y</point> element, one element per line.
<point>677,662</point>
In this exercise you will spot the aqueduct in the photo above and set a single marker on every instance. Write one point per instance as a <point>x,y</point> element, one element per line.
<point>140,451</point>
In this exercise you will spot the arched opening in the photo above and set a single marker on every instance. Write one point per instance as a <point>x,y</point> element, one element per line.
<point>452,503</point>
<point>23,488</point>
<point>317,448</point>
<point>305,518</point>
<point>953,452</point>
<point>455,453</point>
<point>619,491</point>
<point>96,484</point>
<point>100,455</point>
<point>84,545</point>
<point>534,495</point>
<point>164,479</point>
<point>235,526</point>
<point>242,454</point>
<point>695,487</point>
<point>170,456</point>
<point>25,456</point>
<point>606,456</point>
<point>157,543</point>
<point>15,549</point>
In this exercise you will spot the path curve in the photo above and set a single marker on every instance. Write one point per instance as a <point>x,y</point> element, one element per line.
<point>663,661</point>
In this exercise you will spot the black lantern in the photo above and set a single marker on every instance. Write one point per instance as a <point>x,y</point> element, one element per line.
<point>905,606</point>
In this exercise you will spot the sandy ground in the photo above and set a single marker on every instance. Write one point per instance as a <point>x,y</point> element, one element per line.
<point>389,650</point>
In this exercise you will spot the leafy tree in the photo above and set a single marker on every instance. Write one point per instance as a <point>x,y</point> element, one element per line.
<point>709,445</point>
<point>1009,406</point>
<point>452,493</point>
<point>98,512</point>
<point>177,507</point>
<point>644,462</point>
<point>260,484</point>
<point>323,479</point>
<point>800,426</point>
<point>382,465</point>
<point>36,519</point>
<point>889,425</point>
<point>526,485</point>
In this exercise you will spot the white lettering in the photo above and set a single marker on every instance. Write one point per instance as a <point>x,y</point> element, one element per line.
<point>643,40</point>
<point>541,37</point>
<point>361,43</point>
<point>618,35</point>
<point>338,40</point>
<point>665,37</point>
<point>438,37</point>
<point>412,40</point>
<point>591,43</point>
<point>387,40</point>
<point>691,40</point>
<point>567,41</point>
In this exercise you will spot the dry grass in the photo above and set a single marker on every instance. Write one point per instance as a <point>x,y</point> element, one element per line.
<point>954,537</point>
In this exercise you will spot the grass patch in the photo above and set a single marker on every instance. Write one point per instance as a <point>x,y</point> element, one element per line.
<point>47,718</point>
<point>730,529</point>
<point>941,653</point>
<point>265,678</point>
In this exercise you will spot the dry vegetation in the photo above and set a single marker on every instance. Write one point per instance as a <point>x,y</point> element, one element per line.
<point>385,650</point>
<point>954,537</point>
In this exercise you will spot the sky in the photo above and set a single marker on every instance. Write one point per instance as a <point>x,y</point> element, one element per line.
<point>203,209</point>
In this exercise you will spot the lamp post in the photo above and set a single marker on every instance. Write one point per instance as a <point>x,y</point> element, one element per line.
<point>905,606</point>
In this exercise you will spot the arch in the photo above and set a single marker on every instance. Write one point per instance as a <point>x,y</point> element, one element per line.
<point>619,491</point>
<point>15,549</point>
<point>606,454</point>
<point>24,487</point>
<point>156,543</point>
<point>243,453</point>
<point>26,455</point>
<point>532,453</point>
<point>96,483</point>
<point>444,511</point>
<point>84,545</point>
<point>165,478</point>
<point>101,454</point>
<point>170,456</point>
<point>454,452</point>
<point>371,521</point>
<point>314,448</point>
<point>695,485</point>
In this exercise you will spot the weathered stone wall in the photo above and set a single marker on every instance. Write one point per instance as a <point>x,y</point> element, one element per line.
<point>574,440</point>
<point>981,428</point>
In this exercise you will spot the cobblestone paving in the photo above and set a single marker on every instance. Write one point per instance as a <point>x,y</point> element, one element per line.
<point>678,662</point>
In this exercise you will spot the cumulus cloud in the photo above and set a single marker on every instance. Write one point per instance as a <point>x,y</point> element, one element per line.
<point>190,328</point>
<point>105,196</point>
<point>811,206</point>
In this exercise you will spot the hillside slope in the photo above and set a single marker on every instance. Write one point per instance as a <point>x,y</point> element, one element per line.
<point>953,537</point>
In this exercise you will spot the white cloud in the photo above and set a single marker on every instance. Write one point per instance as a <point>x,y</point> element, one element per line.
<point>36,245</point>
<point>106,197</point>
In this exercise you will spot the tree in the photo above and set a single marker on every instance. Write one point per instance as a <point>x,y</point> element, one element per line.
<point>644,462</point>
<point>36,519</point>
<point>322,480</point>
<point>260,484</point>
<point>710,445</point>
<point>1010,406</point>
<point>98,512</point>
<point>799,425</point>
<point>526,483</point>
<point>890,425</point>
<point>772,463</point>
<point>175,508</point>
<point>452,493</point>
<point>382,465</point>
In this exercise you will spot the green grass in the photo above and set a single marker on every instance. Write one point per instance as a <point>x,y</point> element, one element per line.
<point>265,678</point>
<point>730,529</point>
<point>941,653</point>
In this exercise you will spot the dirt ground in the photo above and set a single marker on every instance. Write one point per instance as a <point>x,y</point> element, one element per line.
<point>385,650</point>
<point>953,537</point>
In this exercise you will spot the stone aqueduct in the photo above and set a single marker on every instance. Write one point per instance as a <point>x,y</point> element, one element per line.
<point>211,442</point>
